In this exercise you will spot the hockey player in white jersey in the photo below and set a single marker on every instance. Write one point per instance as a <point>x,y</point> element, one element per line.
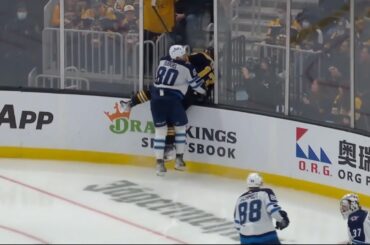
<point>174,77</point>
<point>254,212</point>
<point>358,219</point>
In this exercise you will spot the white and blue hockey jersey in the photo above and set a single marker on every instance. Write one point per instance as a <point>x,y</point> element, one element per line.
<point>177,75</point>
<point>254,211</point>
<point>359,227</point>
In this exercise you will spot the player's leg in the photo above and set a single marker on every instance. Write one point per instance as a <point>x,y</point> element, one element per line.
<point>159,145</point>
<point>179,119</point>
<point>159,112</point>
<point>170,150</point>
<point>268,238</point>
<point>180,143</point>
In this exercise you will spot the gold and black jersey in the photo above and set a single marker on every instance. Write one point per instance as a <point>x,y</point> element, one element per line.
<point>202,63</point>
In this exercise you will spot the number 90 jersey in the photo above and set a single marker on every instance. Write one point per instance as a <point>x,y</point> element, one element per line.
<point>254,211</point>
<point>176,75</point>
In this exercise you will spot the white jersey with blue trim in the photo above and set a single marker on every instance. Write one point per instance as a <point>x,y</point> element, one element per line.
<point>254,211</point>
<point>177,75</point>
<point>359,227</point>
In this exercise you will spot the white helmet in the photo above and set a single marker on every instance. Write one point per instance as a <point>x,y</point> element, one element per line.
<point>254,180</point>
<point>349,204</point>
<point>177,51</point>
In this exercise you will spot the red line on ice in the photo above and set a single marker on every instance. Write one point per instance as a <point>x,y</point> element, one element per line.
<point>93,210</point>
<point>23,234</point>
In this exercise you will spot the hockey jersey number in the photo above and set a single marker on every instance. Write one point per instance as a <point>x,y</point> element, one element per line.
<point>166,76</point>
<point>251,212</point>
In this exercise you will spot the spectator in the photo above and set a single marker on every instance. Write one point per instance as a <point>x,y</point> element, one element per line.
<point>316,105</point>
<point>363,72</point>
<point>91,16</point>
<point>337,66</point>
<point>23,35</point>
<point>108,19</point>
<point>276,33</point>
<point>362,29</point>
<point>129,23</point>
<point>263,85</point>
<point>336,33</point>
<point>71,16</point>
<point>189,18</point>
<point>341,107</point>
<point>362,88</point>
<point>309,36</point>
<point>119,9</point>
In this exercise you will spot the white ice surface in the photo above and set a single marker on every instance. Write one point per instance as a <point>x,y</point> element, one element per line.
<point>53,213</point>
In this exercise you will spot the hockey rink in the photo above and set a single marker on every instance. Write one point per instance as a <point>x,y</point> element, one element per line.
<point>46,202</point>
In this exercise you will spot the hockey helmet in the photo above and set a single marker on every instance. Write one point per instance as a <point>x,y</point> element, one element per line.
<point>349,204</point>
<point>177,51</point>
<point>254,180</point>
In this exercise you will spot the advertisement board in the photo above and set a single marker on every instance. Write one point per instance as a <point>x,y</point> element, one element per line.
<point>217,137</point>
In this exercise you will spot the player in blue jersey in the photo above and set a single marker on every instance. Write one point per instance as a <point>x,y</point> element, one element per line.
<point>203,64</point>
<point>254,212</point>
<point>173,77</point>
<point>358,219</point>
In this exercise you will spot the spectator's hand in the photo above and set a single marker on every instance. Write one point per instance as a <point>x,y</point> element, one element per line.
<point>334,71</point>
<point>245,73</point>
<point>306,101</point>
<point>179,17</point>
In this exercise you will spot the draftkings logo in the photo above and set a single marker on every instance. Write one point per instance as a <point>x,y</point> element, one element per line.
<point>310,161</point>
<point>201,140</point>
<point>121,122</point>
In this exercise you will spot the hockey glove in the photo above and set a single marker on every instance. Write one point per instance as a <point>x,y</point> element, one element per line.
<point>125,105</point>
<point>284,223</point>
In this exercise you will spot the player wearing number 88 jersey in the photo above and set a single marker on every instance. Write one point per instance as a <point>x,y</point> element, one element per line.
<point>254,212</point>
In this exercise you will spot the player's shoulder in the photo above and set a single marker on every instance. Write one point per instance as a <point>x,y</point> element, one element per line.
<point>166,58</point>
<point>179,62</point>
<point>267,190</point>
<point>270,194</point>
<point>197,56</point>
<point>358,216</point>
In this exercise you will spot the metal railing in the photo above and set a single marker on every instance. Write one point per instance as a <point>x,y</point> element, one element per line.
<point>54,82</point>
<point>304,64</point>
<point>103,56</point>
<point>87,51</point>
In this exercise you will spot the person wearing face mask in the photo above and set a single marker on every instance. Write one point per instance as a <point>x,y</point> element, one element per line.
<point>24,34</point>
<point>310,36</point>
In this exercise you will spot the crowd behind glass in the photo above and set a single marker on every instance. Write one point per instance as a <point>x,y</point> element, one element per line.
<point>321,28</point>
